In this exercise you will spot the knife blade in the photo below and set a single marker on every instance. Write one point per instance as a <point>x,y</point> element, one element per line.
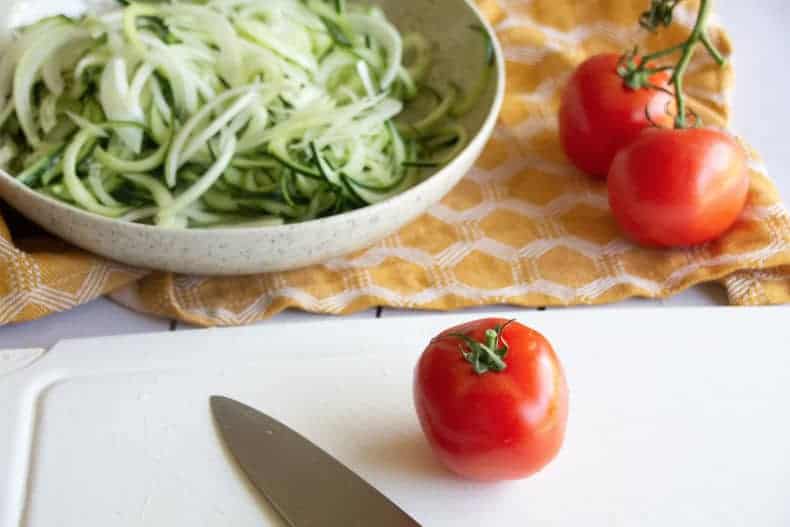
<point>307,486</point>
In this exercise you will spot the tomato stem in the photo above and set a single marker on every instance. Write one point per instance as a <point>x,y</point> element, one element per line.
<point>637,76</point>
<point>715,53</point>
<point>488,355</point>
<point>660,54</point>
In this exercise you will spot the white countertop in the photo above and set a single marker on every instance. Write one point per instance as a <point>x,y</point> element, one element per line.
<point>758,30</point>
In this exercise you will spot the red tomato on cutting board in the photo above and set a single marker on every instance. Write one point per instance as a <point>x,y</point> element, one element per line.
<point>492,400</point>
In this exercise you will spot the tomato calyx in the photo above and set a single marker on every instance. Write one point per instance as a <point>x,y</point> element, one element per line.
<point>637,73</point>
<point>485,356</point>
<point>659,14</point>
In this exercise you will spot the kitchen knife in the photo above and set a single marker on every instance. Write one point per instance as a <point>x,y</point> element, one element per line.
<point>307,486</point>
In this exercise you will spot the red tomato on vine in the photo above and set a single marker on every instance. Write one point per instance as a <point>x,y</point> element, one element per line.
<point>676,188</point>
<point>600,114</point>
<point>670,183</point>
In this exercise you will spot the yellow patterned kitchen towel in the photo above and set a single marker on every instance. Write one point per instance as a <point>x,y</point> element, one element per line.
<point>522,228</point>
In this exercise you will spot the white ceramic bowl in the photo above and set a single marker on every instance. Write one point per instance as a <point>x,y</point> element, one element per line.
<point>264,249</point>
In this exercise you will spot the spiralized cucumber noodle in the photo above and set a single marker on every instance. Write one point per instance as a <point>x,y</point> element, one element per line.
<point>226,112</point>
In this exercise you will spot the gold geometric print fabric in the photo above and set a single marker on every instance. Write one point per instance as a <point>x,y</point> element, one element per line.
<point>40,275</point>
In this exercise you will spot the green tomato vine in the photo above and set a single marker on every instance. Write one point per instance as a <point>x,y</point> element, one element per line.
<point>636,71</point>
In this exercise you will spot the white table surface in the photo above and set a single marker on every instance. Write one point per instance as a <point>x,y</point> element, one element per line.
<point>758,30</point>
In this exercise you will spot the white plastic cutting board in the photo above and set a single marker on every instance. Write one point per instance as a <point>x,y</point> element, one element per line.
<point>678,417</point>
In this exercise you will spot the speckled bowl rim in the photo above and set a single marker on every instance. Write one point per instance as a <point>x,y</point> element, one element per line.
<point>484,130</point>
